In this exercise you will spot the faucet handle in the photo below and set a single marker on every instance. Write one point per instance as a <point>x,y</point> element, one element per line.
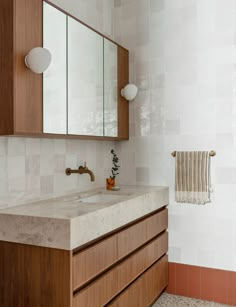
<point>83,167</point>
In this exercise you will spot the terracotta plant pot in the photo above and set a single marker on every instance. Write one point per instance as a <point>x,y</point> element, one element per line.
<point>110,183</point>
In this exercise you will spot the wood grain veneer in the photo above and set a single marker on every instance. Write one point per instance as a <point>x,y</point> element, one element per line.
<point>93,260</point>
<point>142,259</point>
<point>28,102</point>
<point>157,223</point>
<point>6,66</point>
<point>123,104</point>
<point>131,238</point>
<point>67,136</point>
<point>115,280</point>
<point>145,289</point>
<point>99,292</point>
<point>20,89</point>
<point>138,234</point>
<point>34,276</point>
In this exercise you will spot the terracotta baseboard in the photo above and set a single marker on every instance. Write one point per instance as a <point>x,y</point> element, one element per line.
<point>204,283</point>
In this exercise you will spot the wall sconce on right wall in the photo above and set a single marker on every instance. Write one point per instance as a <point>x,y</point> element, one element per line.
<point>129,92</point>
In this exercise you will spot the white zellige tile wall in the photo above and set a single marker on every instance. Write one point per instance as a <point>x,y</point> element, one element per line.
<point>32,169</point>
<point>183,59</point>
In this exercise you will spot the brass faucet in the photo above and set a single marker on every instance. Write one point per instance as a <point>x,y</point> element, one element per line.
<point>81,170</point>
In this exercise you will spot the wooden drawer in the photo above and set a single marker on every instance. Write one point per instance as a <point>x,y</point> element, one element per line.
<point>131,238</point>
<point>146,288</point>
<point>136,264</point>
<point>93,260</point>
<point>114,281</point>
<point>157,223</point>
<point>136,235</point>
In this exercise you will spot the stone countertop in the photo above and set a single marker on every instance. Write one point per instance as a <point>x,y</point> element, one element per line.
<point>71,221</point>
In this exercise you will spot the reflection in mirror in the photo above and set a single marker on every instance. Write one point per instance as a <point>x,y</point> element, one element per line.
<point>54,78</point>
<point>110,89</point>
<point>85,80</point>
<point>80,87</point>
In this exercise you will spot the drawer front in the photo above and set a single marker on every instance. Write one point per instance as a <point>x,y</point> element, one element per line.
<point>131,238</point>
<point>136,264</point>
<point>146,288</point>
<point>157,223</point>
<point>114,281</point>
<point>136,235</point>
<point>93,260</point>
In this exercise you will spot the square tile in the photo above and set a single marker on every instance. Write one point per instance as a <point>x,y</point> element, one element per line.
<point>172,279</point>
<point>207,284</point>
<point>194,278</point>
<point>221,286</point>
<point>181,279</point>
<point>232,287</point>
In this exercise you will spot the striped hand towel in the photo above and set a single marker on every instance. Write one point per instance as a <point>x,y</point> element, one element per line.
<point>192,177</point>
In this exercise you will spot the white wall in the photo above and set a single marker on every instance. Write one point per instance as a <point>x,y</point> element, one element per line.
<point>183,58</point>
<point>32,169</point>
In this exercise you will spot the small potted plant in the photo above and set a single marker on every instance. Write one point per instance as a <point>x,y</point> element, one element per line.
<point>110,182</point>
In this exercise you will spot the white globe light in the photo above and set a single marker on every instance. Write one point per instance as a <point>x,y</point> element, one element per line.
<point>38,59</point>
<point>129,92</point>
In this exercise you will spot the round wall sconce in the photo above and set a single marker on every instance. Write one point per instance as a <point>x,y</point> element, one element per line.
<point>129,92</point>
<point>38,59</point>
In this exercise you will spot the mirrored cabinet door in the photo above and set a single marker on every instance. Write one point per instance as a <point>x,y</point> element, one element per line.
<point>85,80</point>
<point>55,77</point>
<point>110,89</point>
<point>79,94</point>
<point>81,87</point>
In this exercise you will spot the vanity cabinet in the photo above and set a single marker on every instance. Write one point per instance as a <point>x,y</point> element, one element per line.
<point>128,268</point>
<point>145,288</point>
<point>59,104</point>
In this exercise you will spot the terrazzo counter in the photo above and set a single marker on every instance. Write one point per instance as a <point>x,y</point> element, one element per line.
<point>71,221</point>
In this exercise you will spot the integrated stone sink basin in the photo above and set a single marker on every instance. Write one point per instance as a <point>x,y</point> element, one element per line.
<point>97,197</point>
<point>101,198</point>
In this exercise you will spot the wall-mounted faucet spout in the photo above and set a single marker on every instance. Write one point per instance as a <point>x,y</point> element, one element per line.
<point>81,170</point>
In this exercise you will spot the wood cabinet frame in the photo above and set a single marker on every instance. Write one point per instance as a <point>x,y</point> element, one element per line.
<point>39,276</point>
<point>21,90</point>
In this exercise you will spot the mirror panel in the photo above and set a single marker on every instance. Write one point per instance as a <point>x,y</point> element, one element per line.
<point>55,77</point>
<point>85,80</point>
<point>81,84</point>
<point>110,89</point>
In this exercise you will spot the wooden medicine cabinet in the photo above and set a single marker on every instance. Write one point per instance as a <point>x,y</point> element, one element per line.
<point>79,95</point>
